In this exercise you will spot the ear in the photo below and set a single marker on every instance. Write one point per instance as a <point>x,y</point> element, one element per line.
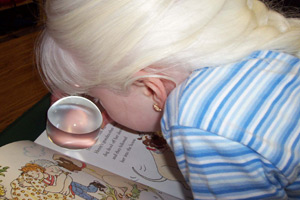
<point>155,87</point>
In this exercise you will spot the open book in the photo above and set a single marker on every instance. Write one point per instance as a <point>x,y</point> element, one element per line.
<point>122,165</point>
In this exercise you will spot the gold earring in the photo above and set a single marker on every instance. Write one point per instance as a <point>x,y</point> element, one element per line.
<point>157,108</point>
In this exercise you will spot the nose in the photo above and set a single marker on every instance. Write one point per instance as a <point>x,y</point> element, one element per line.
<point>106,119</point>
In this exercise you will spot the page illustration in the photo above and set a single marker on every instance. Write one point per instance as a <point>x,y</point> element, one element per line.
<point>34,172</point>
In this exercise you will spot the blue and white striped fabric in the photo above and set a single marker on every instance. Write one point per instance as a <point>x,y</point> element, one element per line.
<point>235,129</point>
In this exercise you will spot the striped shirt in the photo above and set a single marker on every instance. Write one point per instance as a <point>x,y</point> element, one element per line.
<point>235,129</point>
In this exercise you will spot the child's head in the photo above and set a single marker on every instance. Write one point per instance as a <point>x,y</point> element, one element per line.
<point>33,170</point>
<point>48,166</point>
<point>113,44</point>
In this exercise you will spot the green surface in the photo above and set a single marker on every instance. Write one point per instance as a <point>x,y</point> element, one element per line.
<point>29,126</point>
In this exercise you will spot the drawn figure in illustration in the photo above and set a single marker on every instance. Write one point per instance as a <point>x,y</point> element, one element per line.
<point>60,181</point>
<point>124,189</point>
<point>30,185</point>
<point>167,168</point>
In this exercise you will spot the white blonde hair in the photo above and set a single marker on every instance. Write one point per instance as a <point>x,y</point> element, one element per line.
<point>104,42</point>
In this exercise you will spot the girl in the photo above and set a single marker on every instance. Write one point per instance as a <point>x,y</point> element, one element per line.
<point>220,78</point>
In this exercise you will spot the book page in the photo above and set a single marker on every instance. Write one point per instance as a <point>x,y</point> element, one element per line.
<point>129,155</point>
<point>29,171</point>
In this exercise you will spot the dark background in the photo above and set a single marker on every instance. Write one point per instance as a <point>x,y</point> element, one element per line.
<point>290,8</point>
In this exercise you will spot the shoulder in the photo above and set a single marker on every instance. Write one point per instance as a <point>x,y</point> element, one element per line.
<point>238,98</point>
<point>255,102</point>
<point>210,86</point>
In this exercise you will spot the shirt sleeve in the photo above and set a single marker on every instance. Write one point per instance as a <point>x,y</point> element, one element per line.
<point>219,168</point>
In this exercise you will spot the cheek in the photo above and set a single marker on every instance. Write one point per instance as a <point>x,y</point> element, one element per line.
<point>113,108</point>
<point>133,111</point>
<point>119,111</point>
